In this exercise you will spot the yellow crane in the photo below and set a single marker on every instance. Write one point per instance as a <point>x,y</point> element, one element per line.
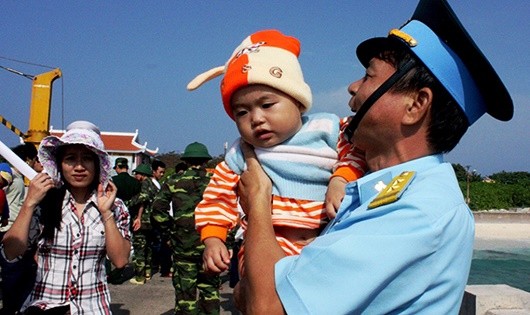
<point>39,114</point>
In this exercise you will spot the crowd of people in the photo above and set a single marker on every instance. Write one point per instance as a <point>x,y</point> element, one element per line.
<point>304,209</point>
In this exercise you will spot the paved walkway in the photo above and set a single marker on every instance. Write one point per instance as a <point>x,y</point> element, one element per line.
<point>156,297</point>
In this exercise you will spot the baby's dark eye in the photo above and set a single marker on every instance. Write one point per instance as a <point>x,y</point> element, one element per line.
<point>240,113</point>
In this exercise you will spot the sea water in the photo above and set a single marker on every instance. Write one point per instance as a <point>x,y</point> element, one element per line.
<point>501,266</point>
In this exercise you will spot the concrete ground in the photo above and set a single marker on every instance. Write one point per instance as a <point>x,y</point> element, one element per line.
<point>156,297</point>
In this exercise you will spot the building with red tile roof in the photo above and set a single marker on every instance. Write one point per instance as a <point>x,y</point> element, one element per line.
<point>122,144</point>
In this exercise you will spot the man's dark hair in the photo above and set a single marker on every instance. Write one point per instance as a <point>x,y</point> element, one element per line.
<point>156,164</point>
<point>26,151</point>
<point>448,123</point>
<point>181,166</point>
<point>195,161</point>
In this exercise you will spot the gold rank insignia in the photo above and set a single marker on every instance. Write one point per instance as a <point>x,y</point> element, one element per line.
<point>393,191</point>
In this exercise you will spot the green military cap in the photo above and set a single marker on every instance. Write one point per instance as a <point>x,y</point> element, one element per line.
<point>196,150</point>
<point>144,169</point>
<point>121,162</point>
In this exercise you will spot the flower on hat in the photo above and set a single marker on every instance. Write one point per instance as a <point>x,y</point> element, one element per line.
<point>79,132</point>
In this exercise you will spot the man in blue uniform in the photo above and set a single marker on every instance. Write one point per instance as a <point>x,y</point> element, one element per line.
<point>402,239</point>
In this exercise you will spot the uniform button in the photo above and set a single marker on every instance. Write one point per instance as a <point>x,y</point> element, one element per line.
<point>75,267</point>
<point>76,251</point>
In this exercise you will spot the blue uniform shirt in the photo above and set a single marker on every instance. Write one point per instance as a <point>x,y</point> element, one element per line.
<point>409,256</point>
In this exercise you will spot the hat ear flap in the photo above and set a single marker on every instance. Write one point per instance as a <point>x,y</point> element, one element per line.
<point>205,77</point>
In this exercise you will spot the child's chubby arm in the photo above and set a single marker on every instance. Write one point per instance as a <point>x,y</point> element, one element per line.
<point>216,257</point>
<point>351,165</point>
<point>334,195</point>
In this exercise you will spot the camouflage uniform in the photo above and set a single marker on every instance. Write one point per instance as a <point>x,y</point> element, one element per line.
<point>184,192</point>
<point>143,238</point>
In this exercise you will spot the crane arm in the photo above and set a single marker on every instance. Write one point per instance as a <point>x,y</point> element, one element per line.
<point>39,115</point>
<point>11,127</point>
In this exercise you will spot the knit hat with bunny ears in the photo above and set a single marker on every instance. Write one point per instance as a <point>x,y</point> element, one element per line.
<point>266,57</point>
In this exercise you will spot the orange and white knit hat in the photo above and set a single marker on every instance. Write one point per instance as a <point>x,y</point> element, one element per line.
<point>266,57</point>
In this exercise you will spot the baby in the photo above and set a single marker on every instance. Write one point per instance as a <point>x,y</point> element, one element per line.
<point>307,157</point>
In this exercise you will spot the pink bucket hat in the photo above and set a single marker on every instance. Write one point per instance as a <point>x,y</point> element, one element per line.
<point>266,57</point>
<point>78,132</point>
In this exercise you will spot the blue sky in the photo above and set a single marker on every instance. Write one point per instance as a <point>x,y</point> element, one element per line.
<point>126,64</point>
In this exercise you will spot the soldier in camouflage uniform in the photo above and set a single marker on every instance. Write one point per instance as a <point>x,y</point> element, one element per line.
<point>184,191</point>
<point>143,237</point>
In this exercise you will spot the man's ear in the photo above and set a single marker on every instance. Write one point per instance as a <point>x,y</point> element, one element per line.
<point>418,107</point>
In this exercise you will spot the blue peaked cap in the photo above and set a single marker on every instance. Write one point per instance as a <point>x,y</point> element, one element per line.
<point>437,38</point>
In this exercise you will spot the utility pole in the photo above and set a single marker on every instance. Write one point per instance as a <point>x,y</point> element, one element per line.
<point>468,177</point>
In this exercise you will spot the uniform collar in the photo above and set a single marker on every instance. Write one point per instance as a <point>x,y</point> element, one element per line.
<point>371,184</point>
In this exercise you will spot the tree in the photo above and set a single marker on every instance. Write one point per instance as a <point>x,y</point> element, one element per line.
<point>509,190</point>
<point>463,172</point>
<point>519,178</point>
<point>460,171</point>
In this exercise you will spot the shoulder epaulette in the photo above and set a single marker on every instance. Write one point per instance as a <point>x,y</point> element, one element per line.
<point>393,190</point>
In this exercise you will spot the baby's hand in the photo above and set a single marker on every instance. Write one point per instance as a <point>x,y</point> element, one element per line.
<point>334,195</point>
<point>216,257</point>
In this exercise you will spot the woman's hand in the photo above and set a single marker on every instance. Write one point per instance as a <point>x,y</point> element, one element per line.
<point>106,198</point>
<point>15,241</point>
<point>254,182</point>
<point>38,187</point>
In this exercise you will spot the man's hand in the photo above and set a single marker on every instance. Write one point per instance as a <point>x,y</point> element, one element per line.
<point>254,182</point>
<point>137,224</point>
<point>216,257</point>
<point>262,251</point>
<point>334,195</point>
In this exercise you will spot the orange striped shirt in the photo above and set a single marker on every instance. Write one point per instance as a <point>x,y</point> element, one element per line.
<point>217,213</point>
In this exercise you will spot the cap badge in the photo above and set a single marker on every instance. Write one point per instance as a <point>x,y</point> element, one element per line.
<point>403,36</point>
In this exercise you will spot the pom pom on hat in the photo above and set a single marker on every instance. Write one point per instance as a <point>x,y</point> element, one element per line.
<point>266,57</point>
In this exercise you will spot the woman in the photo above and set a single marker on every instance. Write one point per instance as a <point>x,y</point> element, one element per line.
<point>71,215</point>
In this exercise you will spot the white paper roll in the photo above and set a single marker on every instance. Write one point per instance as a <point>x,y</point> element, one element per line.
<point>17,162</point>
